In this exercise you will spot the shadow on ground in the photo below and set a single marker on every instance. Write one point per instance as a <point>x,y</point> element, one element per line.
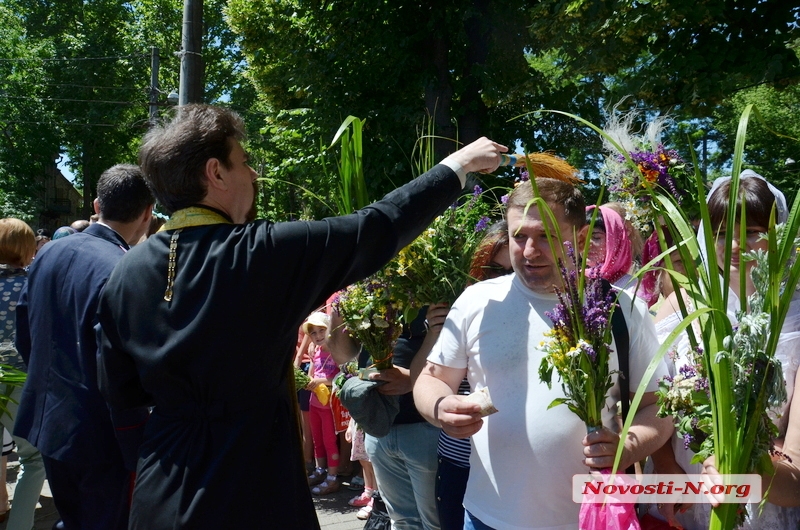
<point>332,510</point>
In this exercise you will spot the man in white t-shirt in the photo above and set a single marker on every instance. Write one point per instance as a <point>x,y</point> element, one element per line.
<point>525,455</point>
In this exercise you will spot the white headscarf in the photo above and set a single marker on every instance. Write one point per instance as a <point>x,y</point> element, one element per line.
<point>782,214</point>
<point>780,200</point>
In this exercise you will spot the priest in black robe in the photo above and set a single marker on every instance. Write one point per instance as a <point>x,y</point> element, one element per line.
<point>200,322</point>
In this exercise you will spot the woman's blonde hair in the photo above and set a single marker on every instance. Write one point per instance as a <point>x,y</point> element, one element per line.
<point>17,242</point>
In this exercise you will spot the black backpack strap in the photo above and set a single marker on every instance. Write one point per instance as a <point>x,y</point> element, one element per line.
<point>619,328</point>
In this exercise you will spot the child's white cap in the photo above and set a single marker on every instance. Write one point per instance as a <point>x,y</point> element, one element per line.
<point>317,318</point>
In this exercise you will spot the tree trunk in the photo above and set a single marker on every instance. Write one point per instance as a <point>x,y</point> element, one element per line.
<point>439,97</point>
<point>463,117</point>
<point>475,117</point>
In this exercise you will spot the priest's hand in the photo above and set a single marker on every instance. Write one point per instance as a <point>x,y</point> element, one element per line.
<point>482,155</point>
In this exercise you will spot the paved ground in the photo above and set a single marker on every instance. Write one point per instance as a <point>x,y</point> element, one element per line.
<point>333,511</point>
<point>335,514</point>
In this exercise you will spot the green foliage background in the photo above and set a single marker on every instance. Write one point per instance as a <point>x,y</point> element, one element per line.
<point>295,70</point>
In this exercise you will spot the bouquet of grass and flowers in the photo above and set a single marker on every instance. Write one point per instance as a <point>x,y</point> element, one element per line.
<point>9,376</point>
<point>434,268</point>
<point>372,315</point>
<point>722,403</point>
<point>639,167</point>
<point>301,379</point>
<point>757,382</point>
<point>577,347</point>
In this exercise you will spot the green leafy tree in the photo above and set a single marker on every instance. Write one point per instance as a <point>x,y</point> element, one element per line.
<point>96,90</point>
<point>28,143</point>
<point>773,142</point>
<point>668,53</point>
<point>93,84</point>
<point>392,63</point>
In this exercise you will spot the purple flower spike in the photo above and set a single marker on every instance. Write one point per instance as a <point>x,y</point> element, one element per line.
<point>481,225</point>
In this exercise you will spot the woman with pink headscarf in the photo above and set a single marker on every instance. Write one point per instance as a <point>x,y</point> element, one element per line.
<point>611,249</point>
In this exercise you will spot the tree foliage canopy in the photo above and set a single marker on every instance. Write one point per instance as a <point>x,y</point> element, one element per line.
<point>671,53</point>
<point>84,71</point>
<point>77,80</point>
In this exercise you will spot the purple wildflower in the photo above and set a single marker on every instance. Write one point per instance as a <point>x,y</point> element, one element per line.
<point>589,351</point>
<point>504,199</point>
<point>481,225</point>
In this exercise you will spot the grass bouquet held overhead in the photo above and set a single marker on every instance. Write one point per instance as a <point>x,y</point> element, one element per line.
<point>434,268</point>
<point>722,403</point>
<point>372,316</point>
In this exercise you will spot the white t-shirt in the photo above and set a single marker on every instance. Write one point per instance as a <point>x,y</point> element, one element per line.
<point>525,455</point>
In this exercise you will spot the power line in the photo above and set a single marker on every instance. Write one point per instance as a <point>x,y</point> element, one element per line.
<point>72,85</point>
<point>66,124</point>
<point>75,100</point>
<point>47,59</point>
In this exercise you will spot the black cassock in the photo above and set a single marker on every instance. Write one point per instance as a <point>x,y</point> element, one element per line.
<point>221,448</point>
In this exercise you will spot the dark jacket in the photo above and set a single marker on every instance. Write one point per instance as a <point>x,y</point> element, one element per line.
<point>222,449</point>
<point>62,412</point>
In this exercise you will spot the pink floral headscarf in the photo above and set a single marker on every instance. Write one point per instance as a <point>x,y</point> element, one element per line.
<point>619,251</point>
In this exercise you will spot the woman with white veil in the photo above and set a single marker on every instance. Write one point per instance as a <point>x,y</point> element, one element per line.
<point>758,198</point>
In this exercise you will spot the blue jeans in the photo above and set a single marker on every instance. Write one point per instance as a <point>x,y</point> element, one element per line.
<point>405,468</point>
<point>473,523</point>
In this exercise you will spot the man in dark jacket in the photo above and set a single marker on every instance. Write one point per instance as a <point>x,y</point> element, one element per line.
<point>62,412</point>
<point>201,321</point>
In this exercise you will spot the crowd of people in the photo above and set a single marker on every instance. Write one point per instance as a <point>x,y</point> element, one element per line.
<point>159,391</point>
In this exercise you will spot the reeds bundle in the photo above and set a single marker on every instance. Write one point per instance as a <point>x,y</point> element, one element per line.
<point>543,165</point>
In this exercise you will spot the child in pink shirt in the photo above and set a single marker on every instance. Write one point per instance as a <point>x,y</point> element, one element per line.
<point>322,372</point>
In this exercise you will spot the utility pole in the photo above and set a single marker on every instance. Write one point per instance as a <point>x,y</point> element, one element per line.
<point>154,92</point>
<point>191,83</point>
